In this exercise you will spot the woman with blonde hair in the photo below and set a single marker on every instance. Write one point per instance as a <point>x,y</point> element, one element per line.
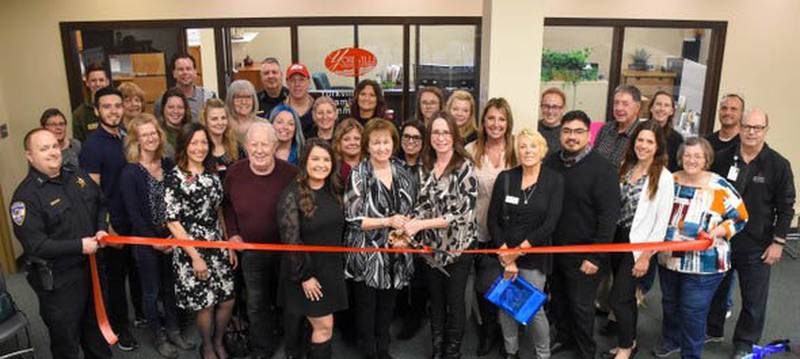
<point>527,200</point>
<point>492,152</point>
<point>461,106</point>
<point>132,101</point>
<point>226,146</point>
<point>142,184</point>
<point>242,103</point>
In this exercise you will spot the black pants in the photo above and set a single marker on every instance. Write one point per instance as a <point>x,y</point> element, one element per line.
<point>573,294</point>
<point>374,312</point>
<point>116,269</point>
<point>260,271</point>
<point>622,298</point>
<point>754,288</point>
<point>68,313</point>
<point>448,308</point>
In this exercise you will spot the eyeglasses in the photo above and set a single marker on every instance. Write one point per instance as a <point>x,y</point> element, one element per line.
<point>746,128</point>
<point>56,124</point>
<point>412,138</point>
<point>569,131</point>
<point>440,133</point>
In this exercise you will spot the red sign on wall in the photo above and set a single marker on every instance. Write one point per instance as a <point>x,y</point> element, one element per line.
<point>350,61</point>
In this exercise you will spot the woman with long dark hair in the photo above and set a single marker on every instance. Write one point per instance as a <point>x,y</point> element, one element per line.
<point>445,218</point>
<point>368,102</point>
<point>310,212</point>
<point>646,189</point>
<point>175,113</point>
<point>289,131</point>
<point>204,276</point>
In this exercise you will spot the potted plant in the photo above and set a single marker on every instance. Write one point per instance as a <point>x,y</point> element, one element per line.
<point>639,60</point>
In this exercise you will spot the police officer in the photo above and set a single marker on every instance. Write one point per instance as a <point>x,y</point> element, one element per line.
<point>59,215</point>
<point>765,180</point>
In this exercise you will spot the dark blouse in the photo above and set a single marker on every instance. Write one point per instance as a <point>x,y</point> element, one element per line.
<point>674,141</point>
<point>368,197</point>
<point>143,196</point>
<point>530,215</point>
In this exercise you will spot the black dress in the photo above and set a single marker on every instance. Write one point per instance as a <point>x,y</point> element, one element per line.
<point>325,227</point>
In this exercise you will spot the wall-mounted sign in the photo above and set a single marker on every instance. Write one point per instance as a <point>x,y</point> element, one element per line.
<point>350,62</point>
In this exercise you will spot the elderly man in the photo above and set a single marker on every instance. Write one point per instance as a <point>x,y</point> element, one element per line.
<point>252,188</point>
<point>58,215</point>
<point>612,140</point>
<point>274,92</point>
<point>764,179</point>
<point>84,119</point>
<point>731,109</point>
<point>552,108</point>
<point>184,71</point>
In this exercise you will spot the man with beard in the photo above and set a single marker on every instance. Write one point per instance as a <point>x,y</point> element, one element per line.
<point>58,216</point>
<point>274,92</point>
<point>731,109</point>
<point>184,71</point>
<point>103,158</point>
<point>590,211</point>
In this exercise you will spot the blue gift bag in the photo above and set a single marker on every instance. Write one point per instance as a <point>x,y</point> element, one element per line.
<point>520,299</point>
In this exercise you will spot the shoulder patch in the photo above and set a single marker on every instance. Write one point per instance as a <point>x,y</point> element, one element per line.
<point>18,213</point>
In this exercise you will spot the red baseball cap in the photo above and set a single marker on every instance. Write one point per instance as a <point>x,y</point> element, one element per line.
<point>297,68</point>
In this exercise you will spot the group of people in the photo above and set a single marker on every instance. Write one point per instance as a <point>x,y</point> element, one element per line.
<point>278,166</point>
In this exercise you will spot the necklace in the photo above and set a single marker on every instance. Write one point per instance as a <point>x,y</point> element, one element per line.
<point>528,193</point>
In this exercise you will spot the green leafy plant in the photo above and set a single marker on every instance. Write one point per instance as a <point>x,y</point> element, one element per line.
<point>568,66</point>
<point>639,59</point>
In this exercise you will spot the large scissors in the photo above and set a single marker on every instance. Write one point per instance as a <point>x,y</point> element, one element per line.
<point>399,235</point>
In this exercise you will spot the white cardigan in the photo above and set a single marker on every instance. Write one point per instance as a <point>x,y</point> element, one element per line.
<point>652,216</point>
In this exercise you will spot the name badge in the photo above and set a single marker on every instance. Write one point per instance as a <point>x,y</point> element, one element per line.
<point>91,126</point>
<point>512,200</point>
<point>759,179</point>
<point>733,173</point>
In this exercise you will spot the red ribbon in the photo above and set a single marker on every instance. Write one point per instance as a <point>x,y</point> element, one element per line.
<point>111,338</point>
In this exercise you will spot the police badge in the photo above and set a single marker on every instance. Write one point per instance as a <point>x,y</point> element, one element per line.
<point>18,213</point>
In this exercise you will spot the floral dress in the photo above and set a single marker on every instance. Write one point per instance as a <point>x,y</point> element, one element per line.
<point>193,200</point>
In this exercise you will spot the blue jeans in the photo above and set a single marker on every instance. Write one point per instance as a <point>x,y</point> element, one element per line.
<point>158,282</point>
<point>686,299</point>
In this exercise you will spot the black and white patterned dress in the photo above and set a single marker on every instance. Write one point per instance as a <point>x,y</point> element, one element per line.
<point>193,200</point>
<point>368,197</point>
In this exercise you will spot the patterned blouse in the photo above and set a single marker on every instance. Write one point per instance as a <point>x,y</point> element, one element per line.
<point>452,197</point>
<point>697,209</point>
<point>368,197</point>
<point>630,193</point>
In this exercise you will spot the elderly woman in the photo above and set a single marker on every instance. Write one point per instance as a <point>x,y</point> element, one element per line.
<point>142,184</point>
<point>243,106</point>
<point>445,218</point>
<point>325,116</point>
<point>461,106</point>
<point>310,212</point>
<point>646,196</point>
<point>204,276</point>
<point>288,129</point>
<point>226,146</point>
<point>430,101</point>
<point>705,204</point>
<point>347,145</point>
<point>380,193</point>
<point>492,152</point>
<point>53,120</point>
<point>175,113</point>
<point>132,101</point>
<point>527,201</point>
<point>368,102</point>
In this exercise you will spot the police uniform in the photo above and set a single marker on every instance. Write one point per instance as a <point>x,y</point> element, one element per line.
<point>51,216</point>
